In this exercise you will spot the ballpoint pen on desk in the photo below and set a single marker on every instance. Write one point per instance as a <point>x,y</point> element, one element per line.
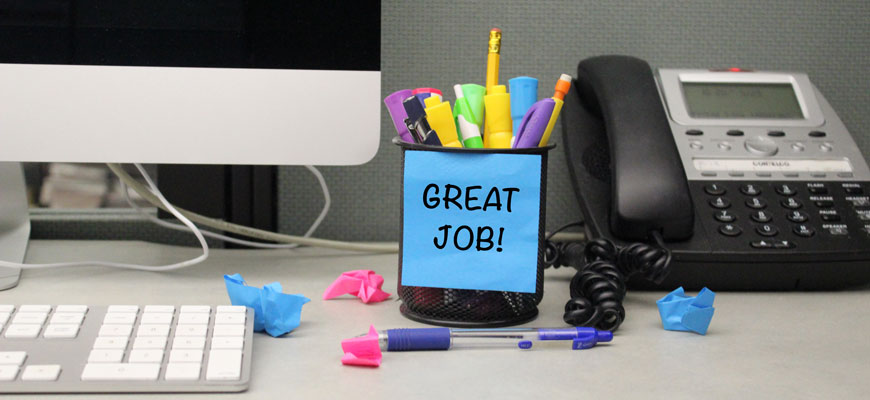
<point>562,87</point>
<point>441,119</point>
<point>524,93</point>
<point>417,124</point>
<point>492,60</point>
<point>398,113</point>
<point>534,124</point>
<point>498,118</point>
<point>466,121</point>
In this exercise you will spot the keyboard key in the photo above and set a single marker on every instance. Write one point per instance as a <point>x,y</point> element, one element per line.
<point>195,309</point>
<point>25,331</point>
<point>121,372</point>
<point>41,372</point>
<point>115,342</point>
<point>64,331</point>
<point>116,330</point>
<point>7,308</point>
<point>150,342</point>
<point>159,309</point>
<point>71,308</point>
<point>235,318</point>
<point>193,318</point>
<point>185,356</point>
<point>122,308</point>
<point>4,316</point>
<point>231,309</point>
<point>41,308</point>
<point>119,318</point>
<point>8,372</point>
<point>191,330</point>
<point>37,318</point>
<point>67,318</point>
<point>156,318</point>
<point>146,356</point>
<point>229,330</point>
<point>182,372</point>
<point>12,357</point>
<point>189,343</point>
<point>224,365</point>
<point>153,330</point>
<point>106,356</point>
<point>228,342</point>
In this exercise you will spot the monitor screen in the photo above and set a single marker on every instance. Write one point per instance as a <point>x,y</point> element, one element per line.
<point>741,100</point>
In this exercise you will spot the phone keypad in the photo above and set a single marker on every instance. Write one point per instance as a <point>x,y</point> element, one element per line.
<point>786,215</point>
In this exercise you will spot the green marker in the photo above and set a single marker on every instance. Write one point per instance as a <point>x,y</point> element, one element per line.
<point>465,120</point>
<point>474,95</point>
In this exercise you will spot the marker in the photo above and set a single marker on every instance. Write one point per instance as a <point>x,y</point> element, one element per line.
<point>534,124</point>
<point>562,87</point>
<point>524,93</point>
<point>474,94</point>
<point>441,119</point>
<point>417,124</point>
<point>466,121</point>
<point>398,114</point>
<point>498,118</point>
<point>492,60</point>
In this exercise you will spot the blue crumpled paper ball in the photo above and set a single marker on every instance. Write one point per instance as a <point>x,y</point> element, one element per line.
<point>275,312</point>
<point>687,313</point>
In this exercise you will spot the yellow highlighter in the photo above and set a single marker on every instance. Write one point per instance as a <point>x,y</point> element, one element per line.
<point>562,86</point>
<point>441,120</point>
<point>497,103</point>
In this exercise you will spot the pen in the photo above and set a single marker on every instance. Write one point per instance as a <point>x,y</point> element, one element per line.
<point>523,338</point>
<point>492,59</point>
<point>398,114</point>
<point>534,124</point>
<point>417,124</point>
<point>524,93</point>
<point>562,87</point>
<point>441,119</point>
<point>498,118</point>
<point>466,121</point>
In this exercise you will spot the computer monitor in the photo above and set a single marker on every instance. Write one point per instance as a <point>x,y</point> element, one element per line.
<point>183,81</point>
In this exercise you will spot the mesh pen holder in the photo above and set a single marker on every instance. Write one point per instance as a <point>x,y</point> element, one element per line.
<point>471,307</point>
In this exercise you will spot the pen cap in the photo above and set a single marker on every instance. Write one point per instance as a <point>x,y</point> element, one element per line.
<point>524,93</point>
<point>498,118</point>
<point>441,119</point>
<point>474,96</point>
<point>398,114</point>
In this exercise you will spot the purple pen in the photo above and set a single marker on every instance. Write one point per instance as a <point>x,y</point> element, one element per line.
<point>398,114</point>
<point>534,124</point>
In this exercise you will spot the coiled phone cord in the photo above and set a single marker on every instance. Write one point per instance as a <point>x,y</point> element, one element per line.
<point>598,287</point>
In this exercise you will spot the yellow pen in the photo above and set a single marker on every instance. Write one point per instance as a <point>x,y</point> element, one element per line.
<point>498,118</point>
<point>441,120</point>
<point>562,87</point>
<point>492,59</point>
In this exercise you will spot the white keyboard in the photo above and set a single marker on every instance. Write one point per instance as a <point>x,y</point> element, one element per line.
<point>124,348</point>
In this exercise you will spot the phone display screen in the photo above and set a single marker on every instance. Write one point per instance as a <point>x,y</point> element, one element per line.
<point>741,100</point>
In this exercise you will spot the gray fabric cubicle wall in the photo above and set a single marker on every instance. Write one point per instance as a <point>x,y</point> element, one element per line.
<point>440,43</point>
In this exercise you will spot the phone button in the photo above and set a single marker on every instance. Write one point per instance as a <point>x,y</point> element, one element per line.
<point>730,230</point>
<point>791,203</point>
<point>720,203</point>
<point>761,216</point>
<point>798,216</point>
<point>786,190</point>
<point>776,133</point>
<point>734,132</point>
<point>761,145</point>
<point>803,230</point>
<point>783,244</point>
<point>818,134</point>
<point>714,189</point>
<point>750,190</point>
<point>756,203</point>
<point>694,132</point>
<point>761,244</point>
<point>767,230</point>
<point>724,216</point>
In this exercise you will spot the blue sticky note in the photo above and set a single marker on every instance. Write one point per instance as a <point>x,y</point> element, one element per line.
<point>275,312</point>
<point>470,221</point>
<point>686,313</point>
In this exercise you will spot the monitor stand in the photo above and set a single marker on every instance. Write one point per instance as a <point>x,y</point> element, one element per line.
<point>14,221</point>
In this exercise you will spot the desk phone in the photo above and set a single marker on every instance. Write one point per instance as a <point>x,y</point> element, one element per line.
<point>750,176</point>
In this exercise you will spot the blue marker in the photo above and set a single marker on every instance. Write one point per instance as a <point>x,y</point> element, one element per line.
<point>524,93</point>
<point>523,338</point>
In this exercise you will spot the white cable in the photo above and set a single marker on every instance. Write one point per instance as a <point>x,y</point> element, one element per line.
<point>169,207</point>
<point>222,225</point>
<point>326,198</point>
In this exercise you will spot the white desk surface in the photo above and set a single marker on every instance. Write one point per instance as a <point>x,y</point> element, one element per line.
<point>760,345</point>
